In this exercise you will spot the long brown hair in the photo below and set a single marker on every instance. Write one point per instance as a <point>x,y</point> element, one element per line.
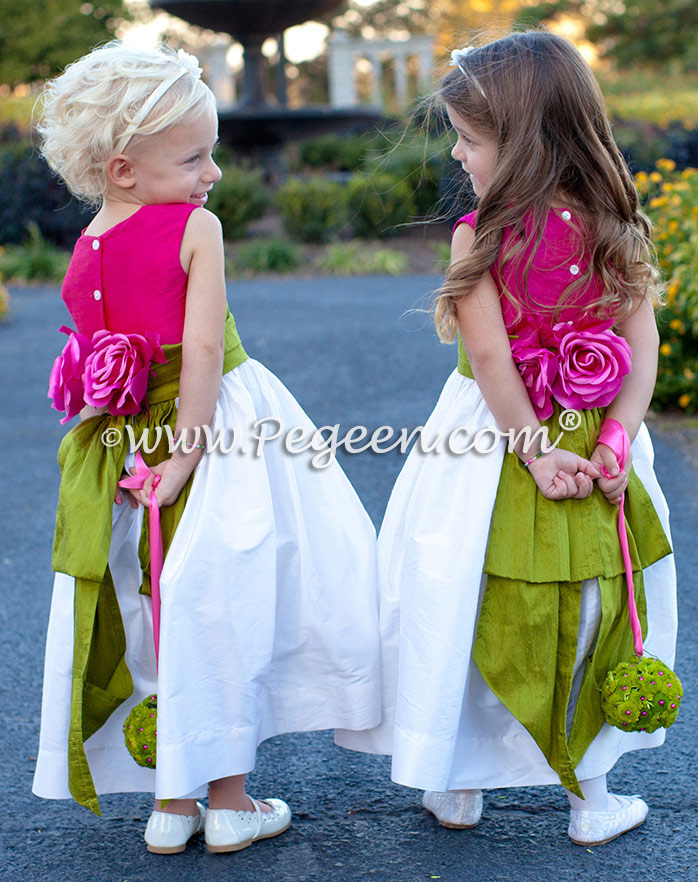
<point>534,94</point>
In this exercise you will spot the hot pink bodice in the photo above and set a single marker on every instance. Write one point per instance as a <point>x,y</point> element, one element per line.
<point>558,261</point>
<point>129,280</point>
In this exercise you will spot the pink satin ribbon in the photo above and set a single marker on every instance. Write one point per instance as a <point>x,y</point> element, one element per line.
<point>613,435</point>
<point>136,482</point>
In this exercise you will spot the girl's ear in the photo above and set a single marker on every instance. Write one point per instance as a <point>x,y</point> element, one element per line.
<point>120,171</point>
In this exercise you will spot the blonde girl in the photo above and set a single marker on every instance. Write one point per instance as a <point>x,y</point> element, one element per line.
<point>268,588</point>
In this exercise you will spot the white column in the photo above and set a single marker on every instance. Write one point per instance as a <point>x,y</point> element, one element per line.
<point>426,68</point>
<point>340,70</point>
<point>400,66</point>
<point>377,83</point>
<point>218,77</point>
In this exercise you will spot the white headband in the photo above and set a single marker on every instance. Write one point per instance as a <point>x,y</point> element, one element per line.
<point>187,64</point>
<point>458,56</point>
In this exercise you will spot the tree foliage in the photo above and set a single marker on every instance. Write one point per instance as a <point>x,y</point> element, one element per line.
<point>453,21</point>
<point>40,37</point>
<point>632,32</point>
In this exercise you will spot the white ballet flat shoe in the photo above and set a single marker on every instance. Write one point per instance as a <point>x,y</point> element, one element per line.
<point>456,809</point>
<point>166,833</point>
<point>598,828</point>
<point>228,830</point>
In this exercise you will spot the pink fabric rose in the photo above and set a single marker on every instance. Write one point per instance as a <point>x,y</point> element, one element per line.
<point>592,364</point>
<point>117,369</point>
<point>65,385</point>
<point>538,368</point>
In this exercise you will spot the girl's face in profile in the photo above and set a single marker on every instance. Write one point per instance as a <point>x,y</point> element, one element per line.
<point>176,165</point>
<point>476,152</point>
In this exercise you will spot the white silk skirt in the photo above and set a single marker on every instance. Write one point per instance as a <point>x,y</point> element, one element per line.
<point>269,614</point>
<point>442,724</point>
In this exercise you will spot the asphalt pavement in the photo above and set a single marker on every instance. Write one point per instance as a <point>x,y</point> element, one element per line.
<point>355,352</point>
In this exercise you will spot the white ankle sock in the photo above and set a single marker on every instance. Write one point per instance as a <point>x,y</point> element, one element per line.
<point>596,796</point>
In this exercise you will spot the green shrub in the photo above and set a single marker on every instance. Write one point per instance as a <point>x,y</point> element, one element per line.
<point>379,204</point>
<point>239,198</point>
<point>275,255</point>
<point>4,302</point>
<point>641,143</point>
<point>336,152</point>
<point>17,111</point>
<point>312,209</point>
<point>417,160</point>
<point>30,192</point>
<point>671,199</point>
<point>350,259</point>
<point>35,260</point>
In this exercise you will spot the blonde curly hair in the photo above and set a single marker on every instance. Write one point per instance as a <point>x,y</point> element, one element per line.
<point>83,114</point>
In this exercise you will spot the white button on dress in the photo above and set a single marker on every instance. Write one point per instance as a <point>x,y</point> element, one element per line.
<point>566,215</point>
<point>574,269</point>
<point>97,295</point>
<point>95,244</point>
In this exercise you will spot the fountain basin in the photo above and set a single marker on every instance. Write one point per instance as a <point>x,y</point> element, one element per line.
<point>247,19</point>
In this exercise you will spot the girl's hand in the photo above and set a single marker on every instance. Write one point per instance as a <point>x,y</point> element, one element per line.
<point>122,494</point>
<point>174,474</point>
<point>561,474</point>
<point>605,460</point>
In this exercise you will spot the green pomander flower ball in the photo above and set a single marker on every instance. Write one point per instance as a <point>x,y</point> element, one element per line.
<point>140,732</point>
<point>641,695</point>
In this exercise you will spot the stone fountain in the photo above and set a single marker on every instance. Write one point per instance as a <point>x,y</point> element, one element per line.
<point>255,123</point>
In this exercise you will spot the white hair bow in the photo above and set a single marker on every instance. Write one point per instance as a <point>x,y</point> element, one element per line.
<point>458,56</point>
<point>189,62</point>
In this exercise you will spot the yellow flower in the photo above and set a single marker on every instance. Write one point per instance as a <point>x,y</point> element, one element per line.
<point>658,202</point>
<point>684,400</point>
<point>673,226</point>
<point>641,177</point>
<point>677,325</point>
<point>666,165</point>
<point>665,348</point>
<point>655,177</point>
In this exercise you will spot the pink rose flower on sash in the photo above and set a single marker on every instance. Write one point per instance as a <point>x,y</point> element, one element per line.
<point>65,385</point>
<point>117,370</point>
<point>538,367</point>
<point>592,364</point>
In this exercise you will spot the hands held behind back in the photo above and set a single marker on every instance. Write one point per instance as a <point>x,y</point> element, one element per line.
<point>173,473</point>
<point>565,475</point>
<point>562,474</point>
<point>613,480</point>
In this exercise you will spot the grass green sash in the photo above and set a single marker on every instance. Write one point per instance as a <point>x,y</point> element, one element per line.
<point>90,470</point>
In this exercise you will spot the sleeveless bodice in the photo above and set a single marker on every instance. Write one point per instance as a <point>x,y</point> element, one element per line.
<point>559,259</point>
<point>129,280</point>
